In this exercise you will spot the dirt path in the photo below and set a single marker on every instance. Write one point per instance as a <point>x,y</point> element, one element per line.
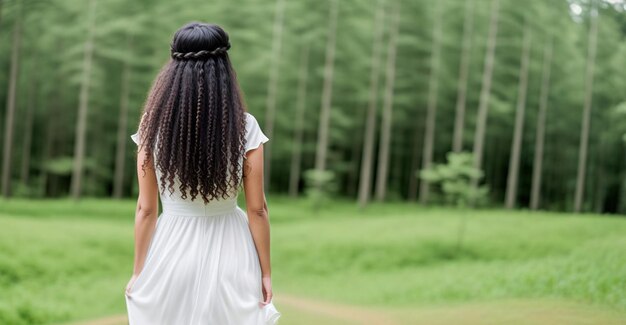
<point>341,313</point>
<point>348,313</point>
<point>305,311</point>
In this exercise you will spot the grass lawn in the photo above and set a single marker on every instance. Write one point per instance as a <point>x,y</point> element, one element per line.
<point>62,261</point>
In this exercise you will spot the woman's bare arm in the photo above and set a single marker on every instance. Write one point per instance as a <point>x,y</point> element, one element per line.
<point>258,214</point>
<point>147,210</point>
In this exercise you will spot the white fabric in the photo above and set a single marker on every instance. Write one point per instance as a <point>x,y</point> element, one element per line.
<point>202,266</point>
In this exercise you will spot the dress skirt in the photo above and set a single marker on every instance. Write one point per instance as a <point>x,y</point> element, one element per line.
<point>201,267</point>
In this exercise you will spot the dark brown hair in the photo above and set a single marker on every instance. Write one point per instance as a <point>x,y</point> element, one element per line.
<point>193,117</point>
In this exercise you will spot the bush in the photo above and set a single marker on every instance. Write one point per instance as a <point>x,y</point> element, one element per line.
<point>320,186</point>
<point>454,180</point>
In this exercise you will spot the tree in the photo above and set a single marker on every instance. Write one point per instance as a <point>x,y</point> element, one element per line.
<point>272,85</point>
<point>516,146</point>
<point>83,109</point>
<point>296,153</point>
<point>455,179</point>
<point>459,117</point>
<point>370,124</point>
<point>541,126</point>
<point>586,117</point>
<point>322,135</point>
<point>28,128</point>
<point>122,124</point>
<point>485,92</point>
<point>10,113</point>
<point>385,137</point>
<point>433,88</point>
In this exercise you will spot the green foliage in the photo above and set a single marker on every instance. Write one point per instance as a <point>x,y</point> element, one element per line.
<point>320,187</point>
<point>454,180</point>
<point>127,35</point>
<point>59,166</point>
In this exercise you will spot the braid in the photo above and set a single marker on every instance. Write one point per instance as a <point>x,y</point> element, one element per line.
<point>164,146</point>
<point>225,110</point>
<point>189,161</point>
<point>200,55</point>
<point>203,142</point>
<point>199,106</point>
<point>212,87</point>
<point>223,91</point>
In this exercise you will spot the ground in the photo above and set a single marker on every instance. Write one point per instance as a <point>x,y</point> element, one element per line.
<point>64,262</point>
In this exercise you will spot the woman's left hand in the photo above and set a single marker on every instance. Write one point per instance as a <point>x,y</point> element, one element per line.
<point>130,283</point>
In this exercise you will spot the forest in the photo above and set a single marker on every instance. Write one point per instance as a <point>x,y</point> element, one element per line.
<point>362,96</point>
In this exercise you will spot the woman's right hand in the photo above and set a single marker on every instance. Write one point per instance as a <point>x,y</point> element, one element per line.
<point>266,281</point>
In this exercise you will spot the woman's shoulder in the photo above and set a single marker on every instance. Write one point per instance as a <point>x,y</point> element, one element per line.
<point>249,116</point>
<point>251,121</point>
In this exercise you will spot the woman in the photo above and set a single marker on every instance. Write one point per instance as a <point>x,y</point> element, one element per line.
<point>203,260</point>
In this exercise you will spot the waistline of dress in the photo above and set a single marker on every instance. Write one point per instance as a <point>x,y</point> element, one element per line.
<point>193,209</point>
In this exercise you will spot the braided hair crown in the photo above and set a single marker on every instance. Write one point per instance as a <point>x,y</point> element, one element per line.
<point>199,41</point>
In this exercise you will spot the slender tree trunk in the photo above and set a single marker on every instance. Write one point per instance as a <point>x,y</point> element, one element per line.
<point>385,136</point>
<point>296,153</point>
<point>52,106</point>
<point>322,138</point>
<point>584,134</point>
<point>11,98</point>
<point>47,151</point>
<point>459,118</point>
<point>516,147</point>
<point>355,156</point>
<point>83,109</point>
<point>370,123</point>
<point>414,179</point>
<point>431,112</point>
<point>600,190</point>
<point>485,92</point>
<point>272,88</point>
<point>541,126</point>
<point>1,3</point>
<point>28,130</point>
<point>122,126</point>
<point>621,203</point>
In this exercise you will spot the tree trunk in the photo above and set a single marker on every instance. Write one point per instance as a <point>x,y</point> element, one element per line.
<point>52,106</point>
<point>296,153</point>
<point>352,174</point>
<point>541,127</point>
<point>122,126</point>
<point>1,3</point>
<point>584,134</point>
<point>414,179</point>
<point>468,27</point>
<point>272,88</point>
<point>322,135</point>
<point>485,92</point>
<point>28,129</point>
<point>431,112</point>
<point>370,123</point>
<point>83,109</point>
<point>516,147</point>
<point>385,136</point>
<point>11,98</point>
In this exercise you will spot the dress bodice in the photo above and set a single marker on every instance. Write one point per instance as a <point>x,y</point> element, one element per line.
<point>173,203</point>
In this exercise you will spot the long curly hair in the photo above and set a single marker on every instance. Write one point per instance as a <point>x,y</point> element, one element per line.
<point>193,118</point>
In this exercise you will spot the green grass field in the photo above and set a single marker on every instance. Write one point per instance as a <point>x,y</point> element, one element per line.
<point>63,261</point>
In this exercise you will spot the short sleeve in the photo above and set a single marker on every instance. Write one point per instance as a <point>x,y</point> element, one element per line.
<point>135,138</point>
<point>254,134</point>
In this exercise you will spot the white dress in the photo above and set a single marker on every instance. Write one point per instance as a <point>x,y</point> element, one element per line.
<point>201,266</point>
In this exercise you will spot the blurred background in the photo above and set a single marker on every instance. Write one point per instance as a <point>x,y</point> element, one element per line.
<point>430,162</point>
